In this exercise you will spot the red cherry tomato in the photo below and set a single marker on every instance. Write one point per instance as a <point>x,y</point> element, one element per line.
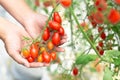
<point>30,59</point>
<point>75,71</point>
<point>37,3</point>
<point>103,35</point>
<point>34,50</point>
<point>101,52</point>
<point>54,25</point>
<point>57,18</point>
<point>61,31</point>
<point>66,3</point>
<point>46,34</point>
<point>56,38</point>
<point>100,43</point>
<point>46,57</point>
<point>117,2</point>
<point>53,55</point>
<point>100,29</point>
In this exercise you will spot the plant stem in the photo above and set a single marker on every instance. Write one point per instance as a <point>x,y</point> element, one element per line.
<point>85,35</point>
<point>71,28</point>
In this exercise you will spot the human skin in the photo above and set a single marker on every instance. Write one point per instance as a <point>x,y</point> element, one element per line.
<point>32,22</point>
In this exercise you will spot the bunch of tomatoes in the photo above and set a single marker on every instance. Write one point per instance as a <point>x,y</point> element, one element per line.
<point>44,50</point>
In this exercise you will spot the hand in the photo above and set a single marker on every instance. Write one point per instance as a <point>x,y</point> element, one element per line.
<point>34,25</point>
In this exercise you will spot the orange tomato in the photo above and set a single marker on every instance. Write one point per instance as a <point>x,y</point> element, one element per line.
<point>50,45</point>
<point>40,58</point>
<point>25,53</point>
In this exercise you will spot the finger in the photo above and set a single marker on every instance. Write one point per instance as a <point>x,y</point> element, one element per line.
<point>19,59</point>
<point>64,37</point>
<point>63,41</point>
<point>59,49</point>
<point>37,64</point>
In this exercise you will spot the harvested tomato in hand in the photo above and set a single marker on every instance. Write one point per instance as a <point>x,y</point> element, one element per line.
<point>57,18</point>
<point>46,57</point>
<point>46,34</point>
<point>30,59</point>
<point>40,58</point>
<point>53,55</point>
<point>66,3</point>
<point>34,50</point>
<point>56,38</point>
<point>75,71</point>
<point>61,31</point>
<point>25,53</point>
<point>54,25</point>
<point>50,45</point>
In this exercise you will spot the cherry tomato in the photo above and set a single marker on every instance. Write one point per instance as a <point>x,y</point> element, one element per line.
<point>103,35</point>
<point>54,25</point>
<point>114,16</point>
<point>46,57</point>
<point>53,55</point>
<point>46,34</point>
<point>101,52</point>
<point>47,3</point>
<point>56,38</point>
<point>57,18</point>
<point>37,3</point>
<point>34,50</point>
<point>40,58</point>
<point>50,45</point>
<point>66,3</point>
<point>100,43</point>
<point>100,29</point>
<point>75,71</point>
<point>61,31</point>
<point>30,59</point>
<point>117,2</point>
<point>25,53</point>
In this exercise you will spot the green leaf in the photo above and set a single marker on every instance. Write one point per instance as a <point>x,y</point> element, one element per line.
<point>84,59</point>
<point>113,53</point>
<point>107,74</point>
<point>110,36</point>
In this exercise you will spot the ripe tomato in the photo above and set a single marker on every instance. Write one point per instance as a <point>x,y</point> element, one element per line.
<point>47,3</point>
<point>39,59</point>
<point>54,25</point>
<point>61,31</point>
<point>101,52</point>
<point>25,53</point>
<point>57,18</point>
<point>34,50</point>
<point>100,43</point>
<point>53,55</point>
<point>37,3</point>
<point>46,57</point>
<point>114,16</point>
<point>101,5</point>
<point>100,29</point>
<point>50,45</point>
<point>30,59</point>
<point>117,2</point>
<point>99,17</point>
<point>66,3</point>
<point>46,34</point>
<point>103,35</point>
<point>75,71</point>
<point>56,38</point>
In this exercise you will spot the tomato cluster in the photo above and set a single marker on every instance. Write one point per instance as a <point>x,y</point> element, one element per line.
<point>44,50</point>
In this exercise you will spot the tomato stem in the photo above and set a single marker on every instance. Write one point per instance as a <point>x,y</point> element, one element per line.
<point>85,35</point>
